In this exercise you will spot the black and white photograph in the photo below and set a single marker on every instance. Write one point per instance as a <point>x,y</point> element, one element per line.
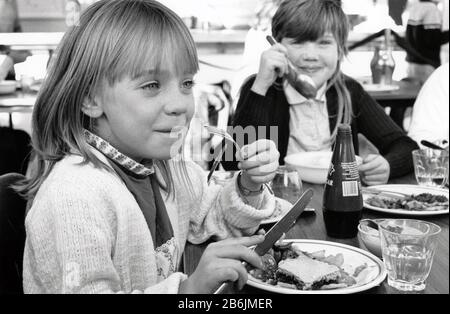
<point>228,153</point>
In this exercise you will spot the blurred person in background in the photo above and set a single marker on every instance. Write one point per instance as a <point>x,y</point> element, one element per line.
<point>424,34</point>
<point>430,113</point>
<point>445,47</point>
<point>14,144</point>
<point>9,23</point>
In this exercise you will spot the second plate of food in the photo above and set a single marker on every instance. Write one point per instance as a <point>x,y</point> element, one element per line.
<point>407,199</point>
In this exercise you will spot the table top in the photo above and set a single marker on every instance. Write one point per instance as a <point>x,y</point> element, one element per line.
<point>311,226</point>
<point>407,90</point>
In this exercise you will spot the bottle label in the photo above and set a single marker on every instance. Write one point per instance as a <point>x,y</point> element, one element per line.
<point>350,171</point>
<point>350,178</point>
<point>350,188</point>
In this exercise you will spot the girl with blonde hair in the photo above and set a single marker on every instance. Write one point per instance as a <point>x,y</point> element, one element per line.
<point>112,208</point>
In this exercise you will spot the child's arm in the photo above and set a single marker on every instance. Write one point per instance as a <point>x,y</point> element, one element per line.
<point>222,212</point>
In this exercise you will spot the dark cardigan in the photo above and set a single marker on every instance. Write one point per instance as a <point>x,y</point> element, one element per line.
<point>369,118</point>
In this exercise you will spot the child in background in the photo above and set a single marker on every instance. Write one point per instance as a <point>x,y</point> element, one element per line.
<point>313,36</point>
<point>9,23</point>
<point>111,208</point>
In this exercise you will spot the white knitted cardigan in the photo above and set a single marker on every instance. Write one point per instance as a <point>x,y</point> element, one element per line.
<point>87,234</point>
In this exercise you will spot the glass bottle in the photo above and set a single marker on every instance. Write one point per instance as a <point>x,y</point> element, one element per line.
<point>376,71</point>
<point>383,63</point>
<point>342,198</point>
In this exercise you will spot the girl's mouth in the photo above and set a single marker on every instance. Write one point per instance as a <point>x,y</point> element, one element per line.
<point>309,70</point>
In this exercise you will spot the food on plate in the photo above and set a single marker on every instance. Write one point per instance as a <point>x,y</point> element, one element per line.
<point>419,202</point>
<point>287,266</point>
<point>306,273</point>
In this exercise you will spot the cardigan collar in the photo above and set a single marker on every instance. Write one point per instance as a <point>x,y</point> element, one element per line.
<point>140,170</point>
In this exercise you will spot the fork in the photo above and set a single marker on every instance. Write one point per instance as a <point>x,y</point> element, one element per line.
<point>226,136</point>
<point>222,133</point>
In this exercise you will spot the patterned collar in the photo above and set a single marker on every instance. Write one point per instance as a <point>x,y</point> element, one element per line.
<point>109,151</point>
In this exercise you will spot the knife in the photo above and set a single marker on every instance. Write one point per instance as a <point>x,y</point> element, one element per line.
<point>285,223</point>
<point>431,145</point>
<point>282,226</point>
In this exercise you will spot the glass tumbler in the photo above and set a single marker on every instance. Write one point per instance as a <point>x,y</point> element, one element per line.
<point>431,167</point>
<point>408,248</point>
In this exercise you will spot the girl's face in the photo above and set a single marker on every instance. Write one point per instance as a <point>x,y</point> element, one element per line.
<point>317,59</point>
<point>141,114</point>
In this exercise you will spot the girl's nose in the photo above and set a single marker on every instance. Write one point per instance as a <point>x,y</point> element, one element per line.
<point>309,52</point>
<point>177,105</point>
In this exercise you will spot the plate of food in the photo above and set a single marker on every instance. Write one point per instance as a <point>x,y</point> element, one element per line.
<point>281,208</point>
<point>404,199</point>
<point>317,267</point>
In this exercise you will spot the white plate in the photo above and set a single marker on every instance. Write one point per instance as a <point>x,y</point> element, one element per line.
<point>283,207</point>
<point>380,87</point>
<point>371,277</point>
<point>408,189</point>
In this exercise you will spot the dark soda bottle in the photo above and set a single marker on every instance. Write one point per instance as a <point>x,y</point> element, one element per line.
<point>342,199</point>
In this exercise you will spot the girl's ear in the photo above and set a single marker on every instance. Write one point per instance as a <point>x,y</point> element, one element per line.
<point>92,108</point>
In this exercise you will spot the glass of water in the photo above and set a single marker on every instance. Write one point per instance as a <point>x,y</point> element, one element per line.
<point>287,184</point>
<point>408,248</point>
<point>431,167</point>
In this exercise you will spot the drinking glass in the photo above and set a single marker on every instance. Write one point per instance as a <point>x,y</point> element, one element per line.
<point>431,167</point>
<point>408,248</point>
<point>287,184</point>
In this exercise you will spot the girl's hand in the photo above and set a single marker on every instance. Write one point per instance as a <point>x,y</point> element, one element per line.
<point>259,162</point>
<point>221,262</point>
<point>375,170</point>
<point>273,64</point>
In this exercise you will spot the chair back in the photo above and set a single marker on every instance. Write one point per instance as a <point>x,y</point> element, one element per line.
<point>15,149</point>
<point>12,235</point>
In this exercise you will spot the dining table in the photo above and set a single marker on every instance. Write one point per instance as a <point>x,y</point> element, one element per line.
<point>310,225</point>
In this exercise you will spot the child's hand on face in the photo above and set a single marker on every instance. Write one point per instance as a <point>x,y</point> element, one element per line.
<point>375,170</point>
<point>222,261</point>
<point>273,64</point>
<point>259,162</point>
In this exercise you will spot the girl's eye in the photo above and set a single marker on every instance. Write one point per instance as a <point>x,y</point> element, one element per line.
<point>325,42</point>
<point>188,84</point>
<point>154,85</point>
